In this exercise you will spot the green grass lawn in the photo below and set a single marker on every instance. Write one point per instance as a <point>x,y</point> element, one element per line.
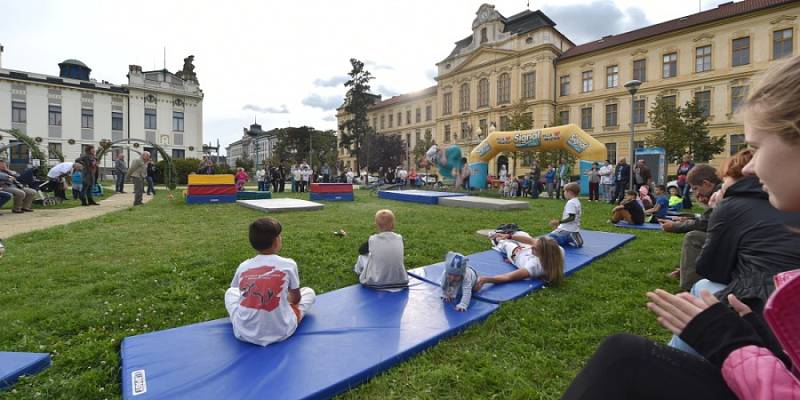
<point>76,291</point>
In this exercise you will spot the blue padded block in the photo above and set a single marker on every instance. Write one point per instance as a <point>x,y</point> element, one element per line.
<point>491,262</point>
<point>13,365</point>
<point>213,198</point>
<point>350,335</point>
<point>416,196</point>
<point>647,226</point>
<point>332,196</point>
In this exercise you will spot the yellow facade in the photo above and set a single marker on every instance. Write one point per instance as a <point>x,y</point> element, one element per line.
<point>527,68</point>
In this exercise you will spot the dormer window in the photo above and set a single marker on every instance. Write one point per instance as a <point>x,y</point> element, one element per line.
<point>484,38</point>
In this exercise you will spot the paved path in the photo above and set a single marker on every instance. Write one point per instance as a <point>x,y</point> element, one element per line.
<point>14,224</point>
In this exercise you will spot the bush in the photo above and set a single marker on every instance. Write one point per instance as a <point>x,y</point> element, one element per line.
<point>186,166</point>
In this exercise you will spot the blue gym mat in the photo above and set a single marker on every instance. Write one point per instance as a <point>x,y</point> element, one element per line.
<point>13,365</point>
<point>416,196</point>
<point>348,196</point>
<point>350,335</point>
<point>647,226</point>
<point>209,199</point>
<point>491,262</point>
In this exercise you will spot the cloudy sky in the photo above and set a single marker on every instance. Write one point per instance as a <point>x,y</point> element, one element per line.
<point>283,62</point>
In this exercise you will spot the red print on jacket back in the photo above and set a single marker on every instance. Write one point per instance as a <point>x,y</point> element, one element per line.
<point>261,288</point>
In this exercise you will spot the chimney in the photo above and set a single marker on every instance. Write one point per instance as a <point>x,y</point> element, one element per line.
<point>1,56</point>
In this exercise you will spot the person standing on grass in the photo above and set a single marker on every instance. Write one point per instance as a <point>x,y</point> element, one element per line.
<point>90,174</point>
<point>550,180</point>
<point>260,175</point>
<point>138,173</point>
<point>641,175</point>
<point>594,182</point>
<point>120,170</point>
<point>622,178</point>
<point>536,176</point>
<point>151,177</point>
<point>606,181</point>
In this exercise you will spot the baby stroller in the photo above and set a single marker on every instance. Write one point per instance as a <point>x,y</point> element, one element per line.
<point>43,188</point>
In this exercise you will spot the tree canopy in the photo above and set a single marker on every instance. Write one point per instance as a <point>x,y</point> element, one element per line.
<point>386,151</point>
<point>356,130</point>
<point>683,130</point>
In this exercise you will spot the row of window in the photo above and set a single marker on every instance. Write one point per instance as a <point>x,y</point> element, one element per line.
<point>702,98</point>
<point>19,114</point>
<point>528,91</point>
<point>736,143</point>
<point>782,46</point>
<point>418,117</point>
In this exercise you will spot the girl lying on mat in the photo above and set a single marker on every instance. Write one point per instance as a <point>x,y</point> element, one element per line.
<point>540,258</point>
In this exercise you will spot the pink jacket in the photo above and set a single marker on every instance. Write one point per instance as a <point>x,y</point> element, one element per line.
<point>753,372</point>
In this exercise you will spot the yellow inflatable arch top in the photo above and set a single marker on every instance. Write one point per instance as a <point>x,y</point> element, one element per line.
<point>566,137</point>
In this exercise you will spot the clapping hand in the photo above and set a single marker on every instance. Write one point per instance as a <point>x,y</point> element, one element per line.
<point>675,311</point>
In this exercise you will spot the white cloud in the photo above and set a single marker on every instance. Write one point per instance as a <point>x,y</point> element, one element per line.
<point>267,110</point>
<point>330,118</point>
<point>587,22</point>
<point>334,81</point>
<point>377,66</point>
<point>324,103</point>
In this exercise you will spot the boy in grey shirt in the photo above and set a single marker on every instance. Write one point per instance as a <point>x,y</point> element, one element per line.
<point>380,260</point>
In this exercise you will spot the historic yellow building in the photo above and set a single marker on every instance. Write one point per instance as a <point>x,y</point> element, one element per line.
<point>524,61</point>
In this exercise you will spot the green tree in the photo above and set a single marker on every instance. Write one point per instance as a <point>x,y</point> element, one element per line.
<point>683,130</point>
<point>356,129</point>
<point>386,151</point>
<point>297,144</point>
<point>245,162</point>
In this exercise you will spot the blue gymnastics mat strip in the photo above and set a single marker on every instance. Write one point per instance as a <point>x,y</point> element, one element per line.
<point>13,365</point>
<point>416,196</point>
<point>491,262</point>
<point>348,196</point>
<point>213,198</point>
<point>647,226</point>
<point>349,335</point>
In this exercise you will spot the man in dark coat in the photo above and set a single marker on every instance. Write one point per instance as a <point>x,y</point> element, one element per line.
<point>90,175</point>
<point>622,178</point>
<point>641,175</point>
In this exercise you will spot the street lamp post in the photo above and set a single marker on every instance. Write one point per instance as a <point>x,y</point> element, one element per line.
<point>633,87</point>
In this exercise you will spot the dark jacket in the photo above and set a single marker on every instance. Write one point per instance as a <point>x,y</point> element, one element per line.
<point>644,172</point>
<point>89,173</point>
<point>622,173</point>
<point>748,242</point>
<point>693,224</point>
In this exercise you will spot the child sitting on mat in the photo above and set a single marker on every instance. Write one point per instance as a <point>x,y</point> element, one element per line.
<point>380,260</point>
<point>629,210</point>
<point>675,200</point>
<point>265,301</point>
<point>540,258</point>
<point>659,210</point>
<point>458,280</point>
<point>567,230</point>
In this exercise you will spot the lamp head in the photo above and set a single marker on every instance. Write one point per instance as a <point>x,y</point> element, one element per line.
<point>633,86</point>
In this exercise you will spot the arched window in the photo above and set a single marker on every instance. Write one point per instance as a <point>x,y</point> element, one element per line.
<point>504,88</point>
<point>463,95</point>
<point>483,93</point>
